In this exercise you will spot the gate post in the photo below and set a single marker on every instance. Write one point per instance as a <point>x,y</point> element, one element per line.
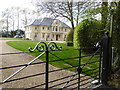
<point>107,56</point>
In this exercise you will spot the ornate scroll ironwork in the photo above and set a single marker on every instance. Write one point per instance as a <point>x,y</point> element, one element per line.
<point>42,46</point>
<point>39,47</point>
<point>53,46</point>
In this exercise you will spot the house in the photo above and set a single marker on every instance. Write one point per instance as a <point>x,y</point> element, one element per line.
<point>47,29</point>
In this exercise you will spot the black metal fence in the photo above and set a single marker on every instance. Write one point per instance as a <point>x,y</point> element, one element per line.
<point>80,70</point>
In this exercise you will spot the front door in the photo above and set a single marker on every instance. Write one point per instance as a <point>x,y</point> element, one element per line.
<point>56,37</point>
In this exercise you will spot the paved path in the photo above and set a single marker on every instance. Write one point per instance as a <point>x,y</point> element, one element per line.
<point>8,60</point>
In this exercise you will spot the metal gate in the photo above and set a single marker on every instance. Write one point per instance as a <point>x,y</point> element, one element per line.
<point>84,73</point>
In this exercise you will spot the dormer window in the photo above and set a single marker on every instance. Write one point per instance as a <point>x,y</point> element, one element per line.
<point>56,28</point>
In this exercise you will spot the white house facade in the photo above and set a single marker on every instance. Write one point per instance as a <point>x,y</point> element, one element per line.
<point>47,29</point>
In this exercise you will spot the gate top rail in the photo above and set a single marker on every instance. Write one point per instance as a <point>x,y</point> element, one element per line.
<point>15,53</point>
<point>31,51</point>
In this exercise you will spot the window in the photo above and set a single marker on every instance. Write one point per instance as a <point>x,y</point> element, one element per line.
<point>36,28</point>
<point>61,29</point>
<point>48,28</point>
<point>65,37</point>
<point>35,34</point>
<point>43,28</point>
<point>43,35</point>
<point>53,35</point>
<point>48,36</point>
<point>53,28</point>
<point>65,30</point>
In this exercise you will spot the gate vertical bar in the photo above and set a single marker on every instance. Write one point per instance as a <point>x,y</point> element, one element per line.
<point>106,63</point>
<point>47,69</point>
<point>100,64</point>
<point>79,63</point>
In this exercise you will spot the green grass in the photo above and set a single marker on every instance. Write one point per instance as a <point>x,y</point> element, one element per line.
<point>10,38</point>
<point>24,45</point>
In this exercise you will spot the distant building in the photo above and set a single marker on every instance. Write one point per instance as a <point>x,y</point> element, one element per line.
<point>47,29</point>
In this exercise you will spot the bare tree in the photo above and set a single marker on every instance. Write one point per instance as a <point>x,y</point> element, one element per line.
<point>6,15</point>
<point>18,17</point>
<point>67,9</point>
<point>25,13</point>
<point>12,17</point>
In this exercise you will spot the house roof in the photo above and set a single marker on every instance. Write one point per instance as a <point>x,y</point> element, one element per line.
<point>48,22</point>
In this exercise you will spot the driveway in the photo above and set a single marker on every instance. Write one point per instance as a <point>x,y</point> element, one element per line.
<point>16,59</point>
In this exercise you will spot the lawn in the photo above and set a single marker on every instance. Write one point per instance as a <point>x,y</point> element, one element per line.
<point>10,38</point>
<point>24,45</point>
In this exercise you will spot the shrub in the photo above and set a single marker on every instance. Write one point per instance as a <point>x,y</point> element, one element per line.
<point>69,38</point>
<point>27,39</point>
<point>87,33</point>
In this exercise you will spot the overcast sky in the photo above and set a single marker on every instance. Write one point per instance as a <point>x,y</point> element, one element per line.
<point>4,4</point>
<point>9,3</point>
<point>21,3</point>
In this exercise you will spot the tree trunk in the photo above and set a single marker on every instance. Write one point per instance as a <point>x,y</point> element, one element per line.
<point>70,4</point>
<point>104,13</point>
<point>7,26</point>
<point>78,13</point>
